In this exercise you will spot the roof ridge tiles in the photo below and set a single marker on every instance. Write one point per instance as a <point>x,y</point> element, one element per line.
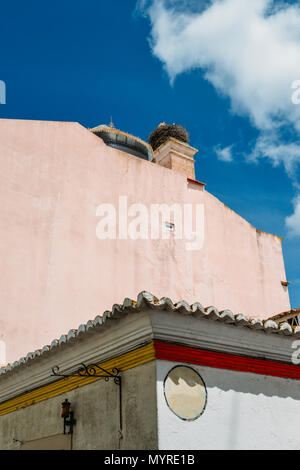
<point>146,299</point>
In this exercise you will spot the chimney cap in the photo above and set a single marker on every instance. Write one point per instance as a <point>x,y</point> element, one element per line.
<point>160,135</point>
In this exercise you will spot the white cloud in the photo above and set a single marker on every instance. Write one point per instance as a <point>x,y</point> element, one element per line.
<point>224,154</point>
<point>250,51</point>
<point>246,55</point>
<point>293,221</point>
<point>269,146</point>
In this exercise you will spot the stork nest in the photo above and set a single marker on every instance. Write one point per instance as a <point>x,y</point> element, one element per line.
<point>160,135</point>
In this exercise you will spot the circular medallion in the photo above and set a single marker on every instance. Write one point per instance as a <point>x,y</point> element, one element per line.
<point>185,393</point>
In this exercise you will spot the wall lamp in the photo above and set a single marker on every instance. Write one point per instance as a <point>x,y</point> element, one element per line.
<point>92,371</point>
<point>68,416</point>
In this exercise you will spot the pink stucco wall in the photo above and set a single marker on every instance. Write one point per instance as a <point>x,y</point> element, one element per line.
<point>56,274</point>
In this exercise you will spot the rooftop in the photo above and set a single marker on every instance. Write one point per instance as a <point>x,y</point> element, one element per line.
<point>147,300</point>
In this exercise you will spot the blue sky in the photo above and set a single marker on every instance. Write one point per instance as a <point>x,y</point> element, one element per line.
<point>87,61</point>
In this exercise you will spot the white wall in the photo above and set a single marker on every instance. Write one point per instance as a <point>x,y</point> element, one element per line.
<point>243,411</point>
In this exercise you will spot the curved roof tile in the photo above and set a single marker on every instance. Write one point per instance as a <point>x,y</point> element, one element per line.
<point>145,299</point>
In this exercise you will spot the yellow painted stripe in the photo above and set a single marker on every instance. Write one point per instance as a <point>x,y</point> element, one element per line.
<point>125,361</point>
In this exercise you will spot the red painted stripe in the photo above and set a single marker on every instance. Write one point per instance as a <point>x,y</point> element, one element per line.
<point>175,353</point>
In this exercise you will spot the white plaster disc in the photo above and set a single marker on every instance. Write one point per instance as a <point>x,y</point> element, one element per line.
<point>185,392</point>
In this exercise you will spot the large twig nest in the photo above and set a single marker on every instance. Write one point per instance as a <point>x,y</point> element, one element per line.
<point>160,135</point>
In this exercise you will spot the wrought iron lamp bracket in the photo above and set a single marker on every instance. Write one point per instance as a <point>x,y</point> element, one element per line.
<point>92,370</point>
<point>95,371</point>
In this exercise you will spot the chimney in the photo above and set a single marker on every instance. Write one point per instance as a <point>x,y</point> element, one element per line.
<point>171,149</point>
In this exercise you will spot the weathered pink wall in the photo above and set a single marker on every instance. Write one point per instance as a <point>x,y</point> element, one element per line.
<point>56,274</point>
